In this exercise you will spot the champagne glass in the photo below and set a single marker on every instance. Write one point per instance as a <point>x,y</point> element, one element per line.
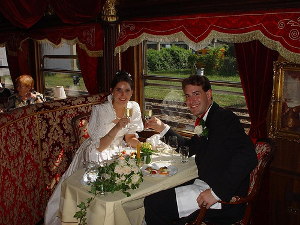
<point>160,147</point>
<point>173,143</point>
<point>147,114</point>
<point>128,113</point>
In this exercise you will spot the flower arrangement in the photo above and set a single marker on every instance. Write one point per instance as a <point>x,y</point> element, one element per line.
<point>121,175</point>
<point>146,151</point>
<point>201,129</point>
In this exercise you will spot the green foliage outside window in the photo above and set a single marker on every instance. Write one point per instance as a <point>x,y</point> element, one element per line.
<point>218,60</point>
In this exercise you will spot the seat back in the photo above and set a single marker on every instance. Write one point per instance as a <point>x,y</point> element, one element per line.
<point>265,151</point>
<point>80,128</point>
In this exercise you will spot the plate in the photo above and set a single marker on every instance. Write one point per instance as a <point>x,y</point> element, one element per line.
<point>159,169</point>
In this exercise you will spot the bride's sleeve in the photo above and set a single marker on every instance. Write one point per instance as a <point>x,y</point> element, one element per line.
<point>136,122</point>
<point>96,128</point>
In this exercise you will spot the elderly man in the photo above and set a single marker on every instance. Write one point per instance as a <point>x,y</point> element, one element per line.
<point>224,155</point>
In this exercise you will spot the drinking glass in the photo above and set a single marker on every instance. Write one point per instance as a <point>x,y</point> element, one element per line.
<point>128,113</point>
<point>184,152</point>
<point>173,143</point>
<point>147,114</point>
<point>91,172</point>
<point>102,179</point>
<point>161,147</point>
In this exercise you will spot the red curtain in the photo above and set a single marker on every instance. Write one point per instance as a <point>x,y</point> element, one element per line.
<point>76,11</point>
<point>90,35</point>
<point>17,60</point>
<point>88,67</point>
<point>25,13</point>
<point>255,64</point>
<point>276,29</point>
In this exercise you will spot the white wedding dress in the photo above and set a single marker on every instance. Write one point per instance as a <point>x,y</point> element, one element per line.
<point>100,123</point>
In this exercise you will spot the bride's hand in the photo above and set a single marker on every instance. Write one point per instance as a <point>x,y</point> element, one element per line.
<point>122,122</point>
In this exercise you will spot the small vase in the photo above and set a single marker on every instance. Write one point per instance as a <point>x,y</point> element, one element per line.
<point>147,159</point>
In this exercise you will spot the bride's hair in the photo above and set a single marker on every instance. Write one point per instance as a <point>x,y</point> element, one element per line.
<point>122,76</point>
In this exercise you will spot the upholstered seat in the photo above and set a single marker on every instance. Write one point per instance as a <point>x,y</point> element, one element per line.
<point>80,128</point>
<point>265,150</point>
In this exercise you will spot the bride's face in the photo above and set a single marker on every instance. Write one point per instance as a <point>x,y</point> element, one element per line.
<point>122,93</point>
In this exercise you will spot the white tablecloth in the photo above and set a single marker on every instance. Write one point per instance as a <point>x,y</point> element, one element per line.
<point>116,208</point>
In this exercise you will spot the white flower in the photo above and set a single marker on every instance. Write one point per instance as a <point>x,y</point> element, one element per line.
<point>135,169</point>
<point>126,170</point>
<point>107,176</point>
<point>132,162</point>
<point>118,170</point>
<point>118,181</point>
<point>198,130</point>
<point>135,178</point>
<point>121,162</point>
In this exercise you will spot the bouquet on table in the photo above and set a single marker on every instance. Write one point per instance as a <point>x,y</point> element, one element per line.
<point>146,152</point>
<point>121,175</point>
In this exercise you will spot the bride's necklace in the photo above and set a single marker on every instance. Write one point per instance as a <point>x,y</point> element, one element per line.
<point>116,114</point>
<point>118,117</point>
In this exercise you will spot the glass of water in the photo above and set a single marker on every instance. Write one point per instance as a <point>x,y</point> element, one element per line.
<point>161,147</point>
<point>184,152</point>
<point>173,143</point>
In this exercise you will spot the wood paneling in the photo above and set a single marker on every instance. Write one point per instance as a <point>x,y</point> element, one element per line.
<point>285,184</point>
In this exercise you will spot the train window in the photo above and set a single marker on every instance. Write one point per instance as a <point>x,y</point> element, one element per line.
<point>167,64</point>
<point>61,71</point>
<point>5,78</point>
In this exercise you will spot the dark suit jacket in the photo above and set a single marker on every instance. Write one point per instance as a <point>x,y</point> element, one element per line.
<point>224,160</point>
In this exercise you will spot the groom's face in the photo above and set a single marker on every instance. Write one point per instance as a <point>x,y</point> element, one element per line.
<point>197,100</point>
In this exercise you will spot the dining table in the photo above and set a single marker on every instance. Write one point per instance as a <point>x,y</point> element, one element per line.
<point>116,208</point>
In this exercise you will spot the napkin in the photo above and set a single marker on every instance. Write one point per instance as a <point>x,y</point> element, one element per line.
<point>158,165</point>
<point>154,140</point>
<point>186,197</point>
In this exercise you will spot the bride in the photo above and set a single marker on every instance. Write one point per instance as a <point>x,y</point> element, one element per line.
<point>107,127</point>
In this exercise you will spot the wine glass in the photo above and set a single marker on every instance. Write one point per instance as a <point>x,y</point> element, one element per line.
<point>173,143</point>
<point>147,114</point>
<point>128,113</point>
<point>102,179</point>
<point>91,172</point>
<point>160,147</point>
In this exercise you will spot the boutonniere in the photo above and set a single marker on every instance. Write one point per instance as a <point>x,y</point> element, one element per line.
<point>200,128</point>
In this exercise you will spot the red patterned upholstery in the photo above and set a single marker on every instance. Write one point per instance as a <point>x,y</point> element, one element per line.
<point>80,128</point>
<point>265,150</point>
<point>36,148</point>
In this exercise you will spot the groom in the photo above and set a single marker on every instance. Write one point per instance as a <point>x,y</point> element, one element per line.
<point>224,155</point>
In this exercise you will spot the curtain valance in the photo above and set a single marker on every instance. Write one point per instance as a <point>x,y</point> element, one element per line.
<point>277,30</point>
<point>25,13</point>
<point>89,37</point>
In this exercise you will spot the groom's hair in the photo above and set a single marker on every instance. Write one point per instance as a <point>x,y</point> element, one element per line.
<point>197,80</point>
